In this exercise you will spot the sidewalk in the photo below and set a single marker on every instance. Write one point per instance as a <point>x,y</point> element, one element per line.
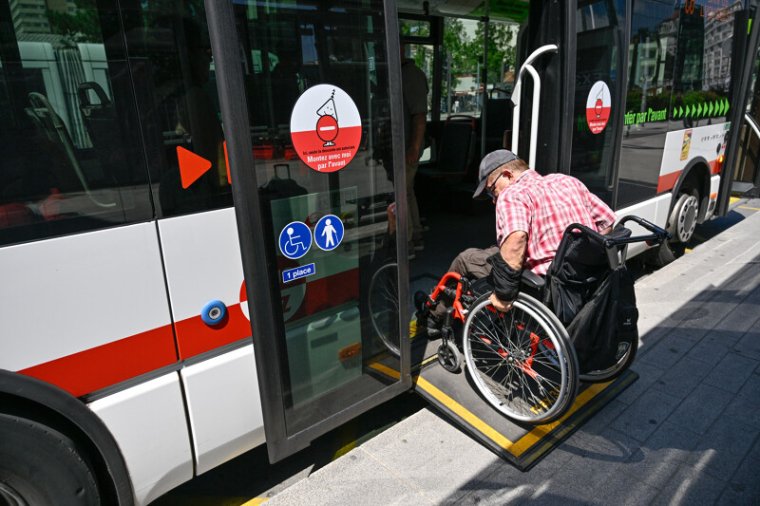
<point>687,432</point>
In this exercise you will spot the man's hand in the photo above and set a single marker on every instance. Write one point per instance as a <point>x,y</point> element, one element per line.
<point>499,304</point>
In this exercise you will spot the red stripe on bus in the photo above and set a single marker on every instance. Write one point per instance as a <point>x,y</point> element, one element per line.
<point>195,337</point>
<point>108,364</point>
<point>666,182</point>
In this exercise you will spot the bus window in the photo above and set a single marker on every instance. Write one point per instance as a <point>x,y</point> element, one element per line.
<point>70,156</point>
<point>599,30</point>
<point>679,77</point>
<point>170,58</point>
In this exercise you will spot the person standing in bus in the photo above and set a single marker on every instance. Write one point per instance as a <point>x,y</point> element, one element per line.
<point>532,213</point>
<point>414,90</point>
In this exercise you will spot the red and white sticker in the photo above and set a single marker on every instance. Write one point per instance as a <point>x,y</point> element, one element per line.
<point>598,107</point>
<point>325,128</point>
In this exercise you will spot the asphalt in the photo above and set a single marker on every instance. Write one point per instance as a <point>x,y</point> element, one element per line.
<point>686,432</point>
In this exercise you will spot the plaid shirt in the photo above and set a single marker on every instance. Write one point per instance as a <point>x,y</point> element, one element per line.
<point>543,207</point>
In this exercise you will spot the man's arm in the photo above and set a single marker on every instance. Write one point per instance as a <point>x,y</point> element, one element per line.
<point>512,251</point>
<point>417,136</point>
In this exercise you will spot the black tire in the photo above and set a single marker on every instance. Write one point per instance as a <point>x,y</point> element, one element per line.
<point>449,357</point>
<point>382,302</point>
<point>626,355</point>
<point>41,466</point>
<point>521,361</point>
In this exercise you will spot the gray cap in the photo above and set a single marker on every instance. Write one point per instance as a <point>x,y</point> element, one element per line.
<point>490,163</point>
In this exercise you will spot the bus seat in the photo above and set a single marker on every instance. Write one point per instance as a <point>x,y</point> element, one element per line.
<point>498,121</point>
<point>456,147</point>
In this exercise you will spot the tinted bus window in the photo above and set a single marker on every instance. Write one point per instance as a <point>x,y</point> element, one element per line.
<point>171,61</point>
<point>71,160</point>
<point>679,77</point>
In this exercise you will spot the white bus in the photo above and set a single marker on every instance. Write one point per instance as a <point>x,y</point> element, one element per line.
<point>128,277</point>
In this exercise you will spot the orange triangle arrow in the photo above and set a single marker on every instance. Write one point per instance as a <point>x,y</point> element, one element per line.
<point>191,166</point>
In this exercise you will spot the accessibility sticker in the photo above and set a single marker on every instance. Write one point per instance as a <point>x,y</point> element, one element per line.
<point>598,107</point>
<point>298,272</point>
<point>325,128</point>
<point>328,233</point>
<point>295,240</point>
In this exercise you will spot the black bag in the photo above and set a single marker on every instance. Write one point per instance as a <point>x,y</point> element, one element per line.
<point>609,318</point>
<point>597,304</point>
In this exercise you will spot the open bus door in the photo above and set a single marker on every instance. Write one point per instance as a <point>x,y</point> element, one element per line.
<point>304,90</point>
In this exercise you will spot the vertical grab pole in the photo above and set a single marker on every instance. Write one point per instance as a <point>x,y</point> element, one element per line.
<point>548,48</point>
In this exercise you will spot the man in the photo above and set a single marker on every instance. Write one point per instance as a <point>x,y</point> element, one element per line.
<point>414,90</point>
<point>532,213</point>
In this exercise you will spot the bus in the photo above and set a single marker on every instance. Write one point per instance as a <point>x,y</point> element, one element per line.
<point>196,196</point>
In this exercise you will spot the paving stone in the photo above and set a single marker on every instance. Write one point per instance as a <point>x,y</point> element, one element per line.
<point>701,408</point>
<point>355,478</point>
<point>710,349</point>
<point>682,378</point>
<point>648,375</point>
<point>667,352</point>
<point>643,417</point>
<point>744,485</point>
<point>721,449</point>
<point>749,345</point>
<point>677,441</point>
<point>745,407</point>
<point>731,373</point>
<point>690,487</point>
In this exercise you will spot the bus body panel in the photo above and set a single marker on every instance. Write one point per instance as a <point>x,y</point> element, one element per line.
<point>148,422</point>
<point>223,426</point>
<point>96,296</point>
<point>203,264</point>
<point>682,146</point>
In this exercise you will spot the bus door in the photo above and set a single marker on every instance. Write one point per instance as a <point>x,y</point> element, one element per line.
<point>306,94</point>
<point>599,67</point>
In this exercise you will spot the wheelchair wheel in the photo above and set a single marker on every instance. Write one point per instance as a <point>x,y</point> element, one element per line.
<point>625,355</point>
<point>383,305</point>
<point>521,361</point>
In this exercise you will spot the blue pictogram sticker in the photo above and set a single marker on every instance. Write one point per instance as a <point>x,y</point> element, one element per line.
<point>328,234</point>
<point>289,275</point>
<point>295,240</point>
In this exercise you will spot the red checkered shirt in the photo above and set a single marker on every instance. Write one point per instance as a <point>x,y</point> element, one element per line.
<point>543,207</point>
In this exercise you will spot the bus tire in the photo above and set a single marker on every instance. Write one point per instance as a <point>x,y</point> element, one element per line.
<point>683,217</point>
<point>39,465</point>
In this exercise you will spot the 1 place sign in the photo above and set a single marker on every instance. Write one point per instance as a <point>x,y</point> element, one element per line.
<point>598,107</point>
<point>325,128</point>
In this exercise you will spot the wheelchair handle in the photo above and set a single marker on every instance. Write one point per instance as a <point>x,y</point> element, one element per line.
<point>658,235</point>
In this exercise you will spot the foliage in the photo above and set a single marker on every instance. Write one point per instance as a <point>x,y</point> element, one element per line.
<point>82,25</point>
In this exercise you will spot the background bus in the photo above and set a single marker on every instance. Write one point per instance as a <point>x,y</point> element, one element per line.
<point>126,334</point>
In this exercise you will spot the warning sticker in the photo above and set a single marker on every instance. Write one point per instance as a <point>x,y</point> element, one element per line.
<point>325,128</point>
<point>598,107</point>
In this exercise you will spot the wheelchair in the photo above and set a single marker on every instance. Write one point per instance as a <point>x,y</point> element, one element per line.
<point>525,362</point>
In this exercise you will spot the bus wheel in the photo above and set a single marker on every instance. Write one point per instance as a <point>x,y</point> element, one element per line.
<point>39,465</point>
<point>683,217</point>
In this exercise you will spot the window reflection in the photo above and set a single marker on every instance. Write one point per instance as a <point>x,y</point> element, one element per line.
<point>70,157</point>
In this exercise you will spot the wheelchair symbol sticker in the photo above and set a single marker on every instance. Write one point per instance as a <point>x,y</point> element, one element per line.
<point>328,234</point>
<point>295,240</point>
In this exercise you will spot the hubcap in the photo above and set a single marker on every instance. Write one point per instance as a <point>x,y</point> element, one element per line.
<point>687,218</point>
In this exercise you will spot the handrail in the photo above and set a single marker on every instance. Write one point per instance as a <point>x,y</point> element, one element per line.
<point>536,101</point>
<point>753,125</point>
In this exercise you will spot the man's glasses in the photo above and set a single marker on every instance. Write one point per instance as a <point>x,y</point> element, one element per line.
<point>491,187</point>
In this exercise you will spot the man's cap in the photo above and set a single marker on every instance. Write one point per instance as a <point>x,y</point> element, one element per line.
<point>490,163</point>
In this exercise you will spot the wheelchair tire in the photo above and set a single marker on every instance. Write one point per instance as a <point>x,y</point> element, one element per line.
<point>521,361</point>
<point>382,301</point>
<point>624,361</point>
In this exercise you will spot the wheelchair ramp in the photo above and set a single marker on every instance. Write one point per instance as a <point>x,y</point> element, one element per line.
<point>523,445</point>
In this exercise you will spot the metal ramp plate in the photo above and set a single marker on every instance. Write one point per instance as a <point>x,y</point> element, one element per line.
<point>523,445</point>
